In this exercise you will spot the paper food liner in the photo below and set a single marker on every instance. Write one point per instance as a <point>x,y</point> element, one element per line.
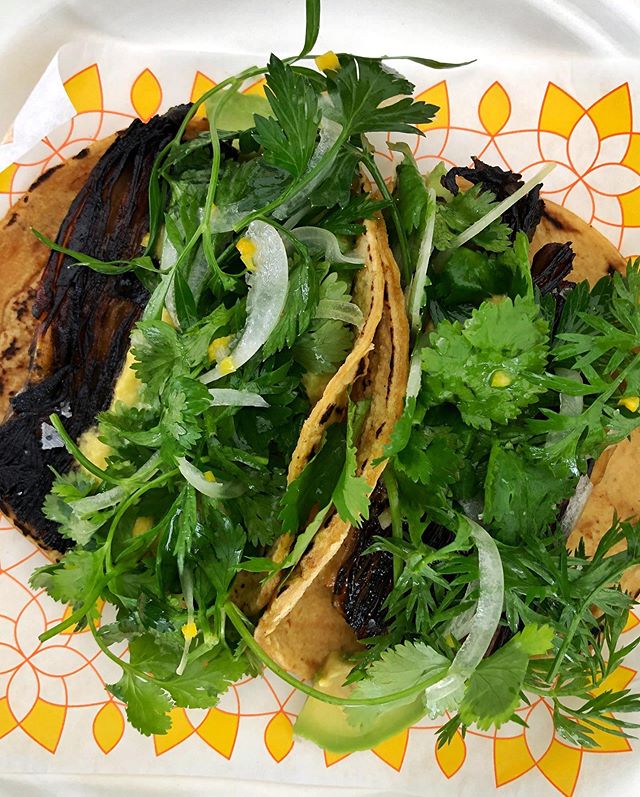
<point>55,715</point>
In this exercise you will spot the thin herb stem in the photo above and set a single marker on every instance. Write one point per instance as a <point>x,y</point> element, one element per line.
<point>77,454</point>
<point>238,622</point>
<point>391,484</point>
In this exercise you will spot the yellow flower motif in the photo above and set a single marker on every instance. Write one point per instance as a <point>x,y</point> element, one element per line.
<point>146,95</point>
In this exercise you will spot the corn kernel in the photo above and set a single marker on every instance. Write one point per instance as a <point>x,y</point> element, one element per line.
<point>247,250</point>
<point>630,402</point>
<point>145,240</point>
<point>500,379</point>
<point>189,630</point>
<point>328,62</point>
<point>208,475</point>
<point>227,366</point>
<point>141,525</point>
<point>218,347</point>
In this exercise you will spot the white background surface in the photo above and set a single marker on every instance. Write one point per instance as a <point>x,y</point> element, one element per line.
<point>32,30</point>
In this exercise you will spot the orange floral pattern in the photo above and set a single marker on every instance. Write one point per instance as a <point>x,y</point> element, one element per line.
<point>44,687</point>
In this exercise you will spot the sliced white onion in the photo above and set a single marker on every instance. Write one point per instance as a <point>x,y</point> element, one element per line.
<point>419,281</point>
<point>576,504</point>
<point>266,299</point>
<point>321,240</point>
<point>337,310</point>
<point>415,373</point>
<point>447,692</point>
<point>227,397</point>
<point>502,207</point>
<point>460,626</point>
<point>94,503</point>
<point>197,479</point>
<point>225,219</point>
<point>329,133</point>
<point>384,519</point>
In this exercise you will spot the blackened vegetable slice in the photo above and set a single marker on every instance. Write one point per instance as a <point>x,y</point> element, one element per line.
<point>84,321</point>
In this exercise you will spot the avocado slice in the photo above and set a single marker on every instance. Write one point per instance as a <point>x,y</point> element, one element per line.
<point>327,725</point>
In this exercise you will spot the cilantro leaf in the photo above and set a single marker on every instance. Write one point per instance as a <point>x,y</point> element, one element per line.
<point>73,578</point>
<point>463,210</point>
<point>58,506</point>
<point>157,353</point>
<point>351,493</point>
<point>206,678</point>
<point>289,140</point>
<point>147,704</point>
<point>522,492</point>
<point>185,400</point>
<point>499,344</point>
<point>493,691</point>
<point>397,668</point>
<point>325,344</point>
<point>361,85</point>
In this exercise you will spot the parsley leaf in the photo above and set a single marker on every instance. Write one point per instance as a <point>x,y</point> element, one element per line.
<point>289,140</point>
<point>361,85</point>
<point>493,691</point>
<point>501,341</point>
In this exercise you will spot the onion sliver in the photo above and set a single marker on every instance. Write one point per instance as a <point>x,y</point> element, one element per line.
<point>419,282</point>
<point>227,397</point>
<point>94,503</point>
<point>576,504</point>
<point>266,299</point>
<point>198,480</point>
<point>325,241</point>
<point>447,692</point>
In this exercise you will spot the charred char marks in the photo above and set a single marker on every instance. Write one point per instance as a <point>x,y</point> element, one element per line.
<point>524,216</point>
<point>44,177</point>
<point>364,580</point>
<point>82,154</point>
<point>85,321</point>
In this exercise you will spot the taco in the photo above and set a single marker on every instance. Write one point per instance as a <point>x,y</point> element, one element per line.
<point>352,600</point>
